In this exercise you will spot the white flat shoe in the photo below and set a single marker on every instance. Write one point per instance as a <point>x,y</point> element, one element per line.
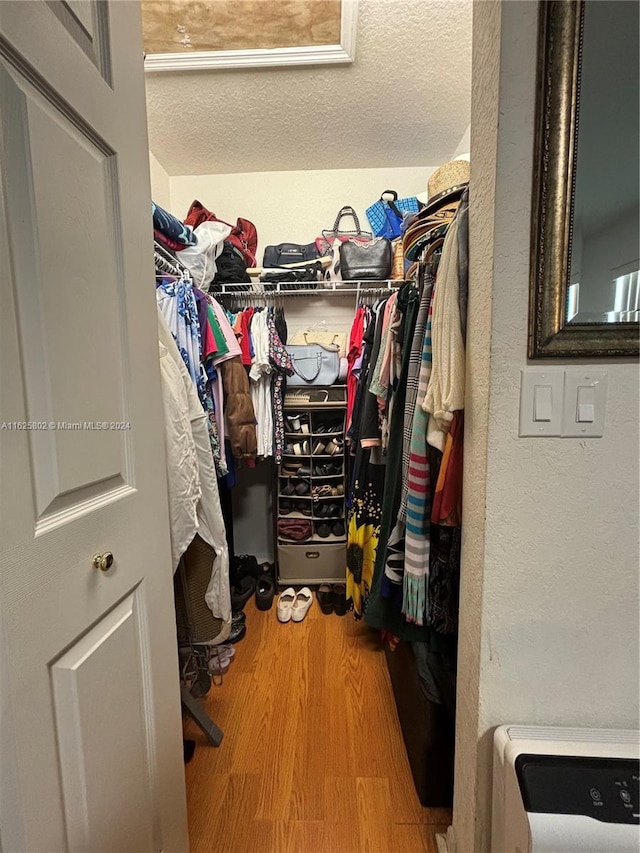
<point>285,604</point>
<point>301,604</point>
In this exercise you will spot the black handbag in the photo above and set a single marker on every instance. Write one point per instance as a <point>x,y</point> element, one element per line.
<point>366,261</point>
<point>289,253</point>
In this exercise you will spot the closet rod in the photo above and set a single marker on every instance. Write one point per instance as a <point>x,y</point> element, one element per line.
<point>281,289</point>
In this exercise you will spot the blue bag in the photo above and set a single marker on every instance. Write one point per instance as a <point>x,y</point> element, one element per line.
<point>385,215</point>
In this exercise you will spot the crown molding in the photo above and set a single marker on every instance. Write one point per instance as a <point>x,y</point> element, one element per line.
<point>213,60</point>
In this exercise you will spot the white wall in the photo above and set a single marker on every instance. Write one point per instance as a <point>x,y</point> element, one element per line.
<point>293,206</point>
<point>550,558</point>
<point>160,189</point>
<point>464,146</point>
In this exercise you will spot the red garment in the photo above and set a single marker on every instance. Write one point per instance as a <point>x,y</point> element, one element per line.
<point>169,242</point>
<point>243,234</point>
<point>355,350</point>
<point>245,340</point>
<point>447,501</point>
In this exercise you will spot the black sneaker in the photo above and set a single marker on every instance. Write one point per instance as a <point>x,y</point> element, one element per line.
<point>265,590</point>
<point>238,628</point>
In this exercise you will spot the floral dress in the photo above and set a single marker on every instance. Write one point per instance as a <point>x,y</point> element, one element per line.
<point>281,361</point>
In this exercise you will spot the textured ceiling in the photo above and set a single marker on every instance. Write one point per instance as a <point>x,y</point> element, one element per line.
<point>405,101</point>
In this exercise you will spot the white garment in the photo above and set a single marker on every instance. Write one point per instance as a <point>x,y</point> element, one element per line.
<point>445,394</point>
<point>192,477</point>
<point>200,259</point>
<point>260,383</point>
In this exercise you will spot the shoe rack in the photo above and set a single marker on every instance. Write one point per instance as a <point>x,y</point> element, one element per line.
<point>311,487</point>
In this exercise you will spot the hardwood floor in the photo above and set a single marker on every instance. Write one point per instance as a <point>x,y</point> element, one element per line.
<point>312,759</point>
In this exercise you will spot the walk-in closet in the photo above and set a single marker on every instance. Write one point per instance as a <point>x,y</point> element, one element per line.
<point>316,285</point>
<point>266,423</point>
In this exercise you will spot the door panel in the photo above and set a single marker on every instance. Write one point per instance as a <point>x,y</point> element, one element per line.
<point>90,743</point>
<point>95,789</point>
<point>73,342</point>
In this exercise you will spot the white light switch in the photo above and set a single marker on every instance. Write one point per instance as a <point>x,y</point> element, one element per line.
<point>585,399</point>
<point>541,402</point>
<point>586,413</point>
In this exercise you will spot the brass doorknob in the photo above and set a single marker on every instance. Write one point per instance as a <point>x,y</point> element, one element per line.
<point>103,561</point>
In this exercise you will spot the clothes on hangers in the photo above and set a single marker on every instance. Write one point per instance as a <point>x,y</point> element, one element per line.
<point>260,383</point>
<point>445,393</point>
<point>194,501</point>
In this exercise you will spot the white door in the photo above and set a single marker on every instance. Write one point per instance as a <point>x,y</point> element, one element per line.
<point>90,739</point>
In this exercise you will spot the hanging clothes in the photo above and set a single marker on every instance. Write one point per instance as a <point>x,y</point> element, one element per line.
<point>418,499</point>
<point>191,475</point>
<point>354,354</point>
<point>282,367</point>
<point>445,393</point>
<point>365,494</point>
<point>260,379</point>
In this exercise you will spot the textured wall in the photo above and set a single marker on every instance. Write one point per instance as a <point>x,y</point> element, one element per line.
<point>484,141</point>
<point>405,100</point>
<point>293,206</point>
<point>557,599</point>
<point>160,188</point>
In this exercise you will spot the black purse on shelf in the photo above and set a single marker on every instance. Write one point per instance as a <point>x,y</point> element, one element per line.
<point>366,261</point>
<point>289,253</point>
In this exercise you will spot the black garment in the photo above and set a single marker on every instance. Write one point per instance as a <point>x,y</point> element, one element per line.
<point>230,267</point>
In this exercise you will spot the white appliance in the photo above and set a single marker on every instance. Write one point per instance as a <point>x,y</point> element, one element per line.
<point>558,790</point>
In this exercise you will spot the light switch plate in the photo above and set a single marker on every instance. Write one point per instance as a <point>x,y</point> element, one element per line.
<point>536,387</point>
<point>588,387</point>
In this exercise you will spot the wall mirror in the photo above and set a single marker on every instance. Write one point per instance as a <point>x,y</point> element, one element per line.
<point>584,287</point>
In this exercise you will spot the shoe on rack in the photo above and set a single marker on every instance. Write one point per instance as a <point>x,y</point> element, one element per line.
<point>319,447</point>
<point>242,592</point>
<point>293,423</point>
<point>320,510</point>
<point>325,598</point>
<point>334,510</point>
<point>265,591</point>
<point>336,491</point>
<point>285,604</point>
<point>301,604</point>
<point>339,598</point>
<point>321,491</point>
<point>303,507</point>
<point>323,530</point>
<point>285,507</point>
<point>288,489</point>
<point>338,528</point>
<point>302,488</point>
<point>304,471</point>
<point>336,445</point>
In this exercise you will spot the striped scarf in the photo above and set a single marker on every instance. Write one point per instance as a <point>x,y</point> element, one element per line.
<point>395,558</point>
<point>416,562</point>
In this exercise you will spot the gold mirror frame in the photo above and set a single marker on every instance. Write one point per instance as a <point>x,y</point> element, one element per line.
<point>554,175</point>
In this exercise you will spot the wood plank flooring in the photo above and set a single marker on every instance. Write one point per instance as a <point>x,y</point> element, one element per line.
<point>312,759</point>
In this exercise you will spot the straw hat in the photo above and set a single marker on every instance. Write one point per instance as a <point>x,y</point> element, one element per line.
<point>446,183</point>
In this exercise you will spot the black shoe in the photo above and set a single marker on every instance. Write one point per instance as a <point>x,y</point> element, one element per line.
<point>338,528</point>
<point>247,566</point>
<point>339,597</point>
<point>265,590</point>
<point>242,592</point>
<point>238,629</point>
<point>188,748</point>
